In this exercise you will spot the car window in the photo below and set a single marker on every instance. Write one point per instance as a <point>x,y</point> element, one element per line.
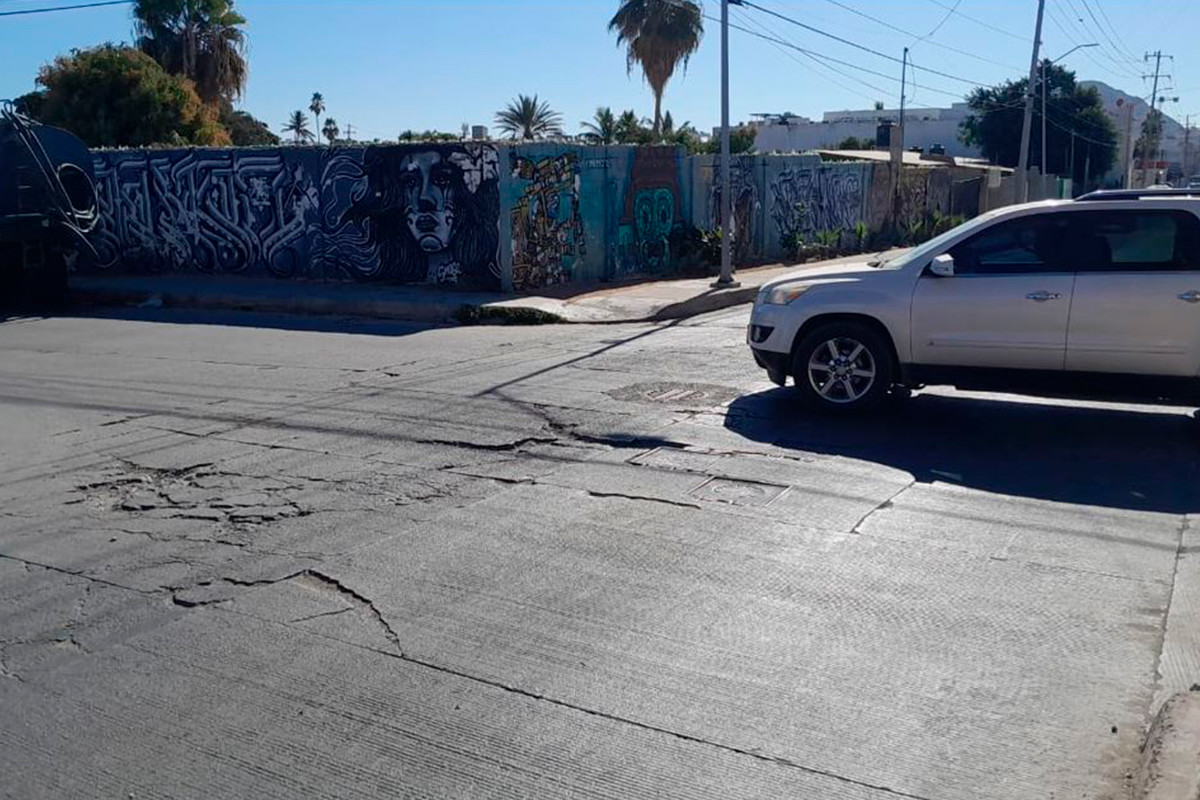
<point>1154,240</point>
<point>1021,246</point>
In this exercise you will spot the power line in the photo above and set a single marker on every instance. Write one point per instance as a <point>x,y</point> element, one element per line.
<point>823,57</point>
<point>917,36</point>
<point>1082,26</point>
<point>779,45</point>
<point>955,12</point>
<point>1113,28</point>
<point>855,45</point>
<point>65,8</point>
<point>1104,31</point>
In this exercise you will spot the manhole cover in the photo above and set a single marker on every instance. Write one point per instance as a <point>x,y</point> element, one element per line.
<point>738,493</point>
<point>676,459</point>
<point>678,394</point>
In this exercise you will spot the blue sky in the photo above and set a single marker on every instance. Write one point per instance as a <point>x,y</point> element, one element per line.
<point>388,65</point>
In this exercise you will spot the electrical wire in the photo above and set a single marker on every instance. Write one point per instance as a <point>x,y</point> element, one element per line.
<point>955,12</point>
<point>850,43</point>
<point>65,8</point>
<point>918,37</point>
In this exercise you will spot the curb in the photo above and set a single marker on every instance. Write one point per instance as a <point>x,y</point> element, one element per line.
<point>508,312</point>
<point>402,310</point>
<point>1170,762</point>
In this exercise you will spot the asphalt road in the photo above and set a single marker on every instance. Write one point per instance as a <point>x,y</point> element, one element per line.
<point>258,557</point>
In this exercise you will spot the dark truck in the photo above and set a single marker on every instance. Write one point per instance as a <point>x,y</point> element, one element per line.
<point>47,209</point>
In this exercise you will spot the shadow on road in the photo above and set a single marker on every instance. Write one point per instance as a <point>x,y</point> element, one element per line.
<point>1133,459</point>
<point>247,319</point>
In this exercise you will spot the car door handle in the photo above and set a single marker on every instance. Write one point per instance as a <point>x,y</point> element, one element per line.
<point>1191,297</point>
<point>1041,297</point>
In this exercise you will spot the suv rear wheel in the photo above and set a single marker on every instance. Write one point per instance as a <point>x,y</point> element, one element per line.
<point>843,367</point>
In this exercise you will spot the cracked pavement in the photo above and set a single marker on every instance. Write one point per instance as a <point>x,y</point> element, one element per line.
<point>253,556</point>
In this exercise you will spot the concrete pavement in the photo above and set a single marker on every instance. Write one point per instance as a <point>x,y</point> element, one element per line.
<point>644,301</point>
<point>256,556</point>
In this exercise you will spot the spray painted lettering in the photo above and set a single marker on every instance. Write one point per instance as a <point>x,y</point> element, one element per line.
<point>808,200</point>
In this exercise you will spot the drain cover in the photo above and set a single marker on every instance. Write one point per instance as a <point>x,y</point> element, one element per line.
<point>738,493</point>
<point>679,394</point>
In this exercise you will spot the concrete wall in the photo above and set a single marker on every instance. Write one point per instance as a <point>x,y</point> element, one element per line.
<point>474,215</point>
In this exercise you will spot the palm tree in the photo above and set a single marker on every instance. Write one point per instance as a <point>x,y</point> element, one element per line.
<point>297,125</point>
<point>202,40</point>
<point>603,128</point>
<point>629,128</point>
<point>331,130</point>
<point>658,35</point>
<point>317,107</point>
<point>527,118</point>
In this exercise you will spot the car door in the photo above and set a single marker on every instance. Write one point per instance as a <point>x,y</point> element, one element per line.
<point>1137,292</point>
<point>1007,304</point>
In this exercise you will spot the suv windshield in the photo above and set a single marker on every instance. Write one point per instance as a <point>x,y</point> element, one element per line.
<point>937,244</point>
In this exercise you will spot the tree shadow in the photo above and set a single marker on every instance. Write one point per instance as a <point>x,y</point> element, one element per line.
<point>1147,460</point>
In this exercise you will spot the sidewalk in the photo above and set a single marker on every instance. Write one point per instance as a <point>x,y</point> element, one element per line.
<point>636,302</point>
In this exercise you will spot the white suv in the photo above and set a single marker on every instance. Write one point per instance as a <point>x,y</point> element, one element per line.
<point>1098,296</point>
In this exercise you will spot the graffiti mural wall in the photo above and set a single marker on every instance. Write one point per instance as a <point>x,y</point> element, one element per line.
<point>470,215</point>
<point>808,200</point>
<point>653,208</point>
<point>547,229</point>
<point>427,214</point>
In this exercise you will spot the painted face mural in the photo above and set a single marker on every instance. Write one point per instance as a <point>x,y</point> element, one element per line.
<point>654,216</point>
<point>427,182</point>
<point>652,211</point>
<point>422,214</point>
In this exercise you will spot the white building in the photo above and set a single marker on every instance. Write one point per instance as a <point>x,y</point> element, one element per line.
<point>923,127</point>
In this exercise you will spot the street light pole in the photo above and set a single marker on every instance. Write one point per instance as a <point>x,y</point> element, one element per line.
<point>1046,63</point>
<point>726,280</point>
<point>1027,122</point>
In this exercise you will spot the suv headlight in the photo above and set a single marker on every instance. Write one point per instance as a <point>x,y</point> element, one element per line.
<point>782,295</point>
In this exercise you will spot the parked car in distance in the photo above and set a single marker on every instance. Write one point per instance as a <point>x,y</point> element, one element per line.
<point>1094,297</point>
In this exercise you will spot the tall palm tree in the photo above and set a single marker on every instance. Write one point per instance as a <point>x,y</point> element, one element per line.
<point>297,125</point>
<point>202,40</point>
<point>658,35</point>
<point>527,118</point>
<point>603,127</point>
<point>331,131</point>
<point>317,107</point>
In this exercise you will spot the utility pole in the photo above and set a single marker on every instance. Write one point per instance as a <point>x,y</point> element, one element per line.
<point>1154,119</point>
<point>1187,135</point>
<point>726,280</point>
<point>896,147</point>
<point>350,132</point>
<point>1027,124</point>
<point>1127,172</point>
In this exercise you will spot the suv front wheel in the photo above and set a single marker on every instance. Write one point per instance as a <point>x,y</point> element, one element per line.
<point>843,367</point>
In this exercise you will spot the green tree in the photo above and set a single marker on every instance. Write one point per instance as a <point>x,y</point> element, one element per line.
<point>116,96</point>
<point>603,127</point>
<point>202,40</point>
<point>741,141</point>
<point>297,125</point>
<point>317,107</point>
<point>658,36</point>
<point>631,130</point>
<point>331,131</point>
<point>528,118</point>
<point>994,125</point>
<point>245,130</point>
<point>1150,138</point>
<point>853,143</point>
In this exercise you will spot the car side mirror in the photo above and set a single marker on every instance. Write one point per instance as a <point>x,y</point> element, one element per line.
<point>942,266</point>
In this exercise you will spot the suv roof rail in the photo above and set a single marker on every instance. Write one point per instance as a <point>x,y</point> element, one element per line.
<point>1137,194</point>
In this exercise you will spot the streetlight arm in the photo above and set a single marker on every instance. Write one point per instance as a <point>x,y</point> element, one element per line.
<point>1072,50</point>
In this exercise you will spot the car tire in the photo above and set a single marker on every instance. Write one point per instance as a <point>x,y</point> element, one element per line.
<point>843,367</point>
